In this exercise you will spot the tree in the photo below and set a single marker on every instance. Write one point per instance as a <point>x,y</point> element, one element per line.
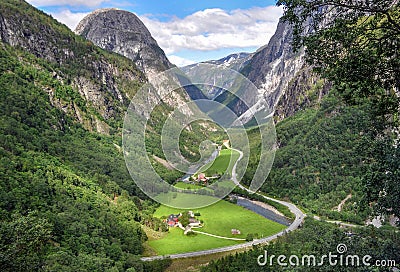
<point>184,219</point>
<point>249,237</point>
<point>349,41</point>
<point>356,44</point>
<point>23,242</point>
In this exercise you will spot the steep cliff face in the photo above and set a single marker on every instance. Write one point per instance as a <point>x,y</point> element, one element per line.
<point>284,82</point>
<point>122,32</point>
<point>79,70</point>
<point>272,68</point>
<point>304,90</point>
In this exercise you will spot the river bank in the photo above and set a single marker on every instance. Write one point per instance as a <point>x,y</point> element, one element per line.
<point>264,210</point>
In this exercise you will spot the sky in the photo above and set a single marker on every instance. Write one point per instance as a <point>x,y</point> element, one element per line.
<point>188,31</point>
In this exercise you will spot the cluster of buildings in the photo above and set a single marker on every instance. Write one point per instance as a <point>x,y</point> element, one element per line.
<point>173,220</point>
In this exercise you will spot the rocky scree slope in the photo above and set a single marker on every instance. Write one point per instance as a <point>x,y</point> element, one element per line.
<point>284,82</point>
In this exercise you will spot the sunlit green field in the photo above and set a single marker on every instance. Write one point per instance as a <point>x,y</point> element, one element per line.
<point>183,185</point>
<point>223,163</point>
<point>219,219</point>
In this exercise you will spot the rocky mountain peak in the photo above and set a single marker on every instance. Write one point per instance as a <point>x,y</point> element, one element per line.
<point>124,33</point>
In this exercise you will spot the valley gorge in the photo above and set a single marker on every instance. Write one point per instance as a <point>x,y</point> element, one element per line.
<point>69,203</point>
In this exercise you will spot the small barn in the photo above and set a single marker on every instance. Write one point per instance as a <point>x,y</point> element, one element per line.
<point>235,231</point>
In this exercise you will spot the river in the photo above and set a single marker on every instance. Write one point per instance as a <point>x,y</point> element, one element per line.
<point>248,204</point>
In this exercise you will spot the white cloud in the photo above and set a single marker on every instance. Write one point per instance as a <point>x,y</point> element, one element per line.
<point>207,30</point>
<point>213,29</point>
<point>180,62</point>
<point>47,3</point>
<point>69,18</point>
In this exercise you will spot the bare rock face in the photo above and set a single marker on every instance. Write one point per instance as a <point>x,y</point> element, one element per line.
<point>99,80</point>
<point>272,68</point>
<point>122,32</point>
<point>283,79</point>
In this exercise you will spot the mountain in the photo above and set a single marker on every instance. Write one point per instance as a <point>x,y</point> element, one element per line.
<point>284,83</point>
<point>63,182</point>
<point>233,61</point>
<point>91,85</point>
<point>124,33</point>
<point>68,202</point>
<point>282,79</point>
<point>272,68</point>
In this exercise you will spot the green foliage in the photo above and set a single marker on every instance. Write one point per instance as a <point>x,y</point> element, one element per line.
<point>321,159</point>
<point>382,178</point>
<point>24,241</point>
<point>355,45</point>
<point>316,238</point>
<point>184,219</point>
<point>61,184</point>
<point>249,237</point>
<point>66,196</point>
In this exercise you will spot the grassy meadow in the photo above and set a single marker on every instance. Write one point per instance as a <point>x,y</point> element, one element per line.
<point>218,219</point>
<point>223,163</point>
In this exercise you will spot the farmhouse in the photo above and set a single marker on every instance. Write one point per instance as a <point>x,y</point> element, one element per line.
<point>235,231</point>
<point>173,220</point>
<point>202,178</point>
<point>194,223</point>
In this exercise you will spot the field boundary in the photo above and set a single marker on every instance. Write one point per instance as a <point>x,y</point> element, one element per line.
<point>217,236</point>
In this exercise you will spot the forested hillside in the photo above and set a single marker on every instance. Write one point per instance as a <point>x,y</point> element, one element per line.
<point>58,182</point>
<point>321,158</point>
<point>345,145</point>
<point>316,239</point>
<point>67,202</point>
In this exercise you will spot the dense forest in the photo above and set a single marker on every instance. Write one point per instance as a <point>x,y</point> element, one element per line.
<point>58,183</point>
<point>68,203</point>
<point>316,238</point>
<point>321,159</point>
<point>347,144</point>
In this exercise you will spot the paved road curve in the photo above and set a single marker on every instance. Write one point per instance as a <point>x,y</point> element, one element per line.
<point>295,224</point>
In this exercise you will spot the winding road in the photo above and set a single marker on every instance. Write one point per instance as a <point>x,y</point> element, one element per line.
<point>295,224</point>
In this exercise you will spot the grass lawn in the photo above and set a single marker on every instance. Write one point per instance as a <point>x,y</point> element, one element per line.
<point>183,185</point>
<point>219,219</point>
<point>176,242</point>
<point>185,200</point>
<point>223,163</point>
